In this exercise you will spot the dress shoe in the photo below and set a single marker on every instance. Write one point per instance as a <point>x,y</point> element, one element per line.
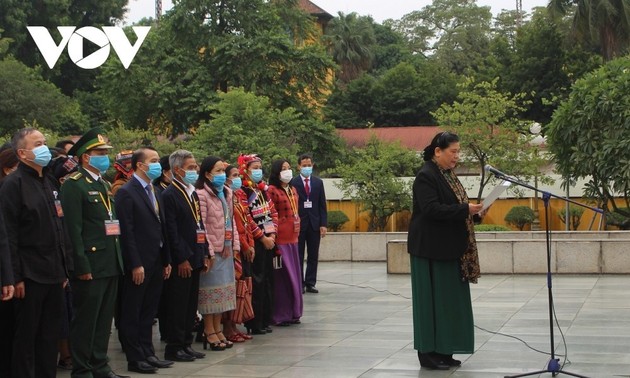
<point>178,356</point>
<point>268,329</point>
<point>141,367</point>
<point>428,361</point>
<point>311,289</point>
<point>155,361</point>
<point>188,349</point>
<point>111,374</point>
<point>256,331</point>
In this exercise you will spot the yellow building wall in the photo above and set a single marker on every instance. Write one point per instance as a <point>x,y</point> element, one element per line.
<point>496,213</point>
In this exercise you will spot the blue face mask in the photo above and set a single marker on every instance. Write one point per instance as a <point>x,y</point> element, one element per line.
<point>306,171</point>
<point>218,180</point>
<point>237,183</point>
<point>42,155</point>
<point>100,162</point>
<point>155,171</point>
<point>190,177</point>
<point>256,175</point>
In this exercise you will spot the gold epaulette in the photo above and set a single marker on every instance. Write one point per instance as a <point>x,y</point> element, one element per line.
<point>76,175</point>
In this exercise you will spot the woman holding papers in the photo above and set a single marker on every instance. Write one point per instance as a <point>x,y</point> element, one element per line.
<point>444,257</point>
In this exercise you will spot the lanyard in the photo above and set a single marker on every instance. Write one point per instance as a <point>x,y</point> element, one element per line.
<point>190,204</point>
<point>108,205</point>
<point>291,200</point>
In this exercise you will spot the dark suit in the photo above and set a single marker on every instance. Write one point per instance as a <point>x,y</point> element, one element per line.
<point>7,316</point>
<point>143,244</point>
<point>96,253</point>
<point>37,241</point>
<point>437,229</point>
<point>182,293</point>
<point>310,222</point>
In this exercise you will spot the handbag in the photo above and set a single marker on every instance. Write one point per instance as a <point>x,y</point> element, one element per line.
<point>244,310</point>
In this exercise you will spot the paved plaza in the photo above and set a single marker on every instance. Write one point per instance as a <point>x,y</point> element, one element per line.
<point>359,325</point>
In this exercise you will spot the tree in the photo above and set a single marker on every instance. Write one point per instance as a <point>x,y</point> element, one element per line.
<point>604,22</point>
<point>389,49</point>
<point>487,123</point>
<point>254,44</point>
<point>520,216</point>
<point>456,32</point>
<point>245,123</point>
<point>26,97</point>
<point>590,132</point>
<point>350,40</point>
<point>371,178</point>
<point>352,106</point>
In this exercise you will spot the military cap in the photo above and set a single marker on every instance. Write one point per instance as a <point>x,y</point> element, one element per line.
<point>92,139</point>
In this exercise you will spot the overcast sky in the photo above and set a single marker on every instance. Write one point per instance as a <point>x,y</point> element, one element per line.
<point>379,9</point>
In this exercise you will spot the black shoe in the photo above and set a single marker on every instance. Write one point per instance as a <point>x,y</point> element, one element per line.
<point>428,361</point>
<point>312,289</point>
<point>178,356</point>
<point>303,289</point>
<point>155,361</point>
<point>447,359</point>
<point>296,321</point>
<point>111,374</point>
<point>268,329</point>
<point>141,367</point>
<point>256,331</point>
<point>283,324</point>
<point>188,349</point>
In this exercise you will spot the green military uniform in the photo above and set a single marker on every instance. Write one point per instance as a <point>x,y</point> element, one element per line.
<point>87,205</point>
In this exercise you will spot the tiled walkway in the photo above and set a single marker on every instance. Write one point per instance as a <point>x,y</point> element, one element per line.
<point>350,331</point>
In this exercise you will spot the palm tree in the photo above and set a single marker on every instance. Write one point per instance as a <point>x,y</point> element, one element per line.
<point>603,21</point>
<point>350,39</point>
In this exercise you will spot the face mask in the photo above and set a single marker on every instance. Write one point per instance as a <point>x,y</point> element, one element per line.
<point>237,183</point>
<point>218,180</point>
<point>256,175</point>
<point>286,176</point>
<point>42,155</point>
<point>190,177</point>
<point>100,162</point>
<point>306,171</point>
<point>155,171</point>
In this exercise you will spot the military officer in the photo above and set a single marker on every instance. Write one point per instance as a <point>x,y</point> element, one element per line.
<point>94,230</point>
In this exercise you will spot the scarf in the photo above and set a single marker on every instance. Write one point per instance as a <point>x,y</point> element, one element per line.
<point>469,261</point>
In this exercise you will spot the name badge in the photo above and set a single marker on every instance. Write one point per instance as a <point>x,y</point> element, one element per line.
<point>201,236</point>
<point>269,228</point>
<point>308,204</point>
<point>228,235</point>
<point>59,208</point>
<point>112,227</point>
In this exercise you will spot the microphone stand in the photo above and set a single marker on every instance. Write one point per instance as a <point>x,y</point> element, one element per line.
<point>553,366</point>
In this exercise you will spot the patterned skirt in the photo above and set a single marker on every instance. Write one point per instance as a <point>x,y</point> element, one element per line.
<point>217,288</point>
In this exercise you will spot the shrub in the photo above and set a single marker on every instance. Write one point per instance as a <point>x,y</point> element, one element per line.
<point>575,214</point>
<point>520,216</point>
<point>336,220</point>
<point>490,227</point>
<point>619,220</point>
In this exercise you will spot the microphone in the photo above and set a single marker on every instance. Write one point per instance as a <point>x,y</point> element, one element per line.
<point>493,170</point>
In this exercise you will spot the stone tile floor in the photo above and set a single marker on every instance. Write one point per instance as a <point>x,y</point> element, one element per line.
<point>349,330</point>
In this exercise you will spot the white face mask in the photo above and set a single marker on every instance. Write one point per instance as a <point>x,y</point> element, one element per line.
<point>286,176</point>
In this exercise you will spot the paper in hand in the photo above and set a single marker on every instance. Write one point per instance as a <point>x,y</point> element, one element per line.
<point>496,192</point>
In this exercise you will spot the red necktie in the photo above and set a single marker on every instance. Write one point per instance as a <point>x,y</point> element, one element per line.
<point>307,188</point>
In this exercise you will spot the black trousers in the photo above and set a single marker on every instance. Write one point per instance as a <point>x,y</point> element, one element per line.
<point>139,304</point>
<point>7,330</point>
<point>182,295</point>
<point>38,319</point>
<point>262,287</point>
<point>309,240</point>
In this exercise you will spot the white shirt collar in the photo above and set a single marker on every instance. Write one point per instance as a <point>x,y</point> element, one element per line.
<point>94,175</point>
<point>142,182</point>
<point>189,188</point>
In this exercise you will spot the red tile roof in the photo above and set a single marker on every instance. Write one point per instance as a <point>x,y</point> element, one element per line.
<point>312,9</point>
<point>415,138</point>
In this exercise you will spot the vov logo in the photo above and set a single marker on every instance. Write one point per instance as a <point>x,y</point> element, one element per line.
<point>110,36</point>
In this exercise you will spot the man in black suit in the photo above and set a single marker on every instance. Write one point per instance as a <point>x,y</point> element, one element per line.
<point>189,255</point>
<point>38,243</point>
<point>146,260</point>
<point>314,219</point>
